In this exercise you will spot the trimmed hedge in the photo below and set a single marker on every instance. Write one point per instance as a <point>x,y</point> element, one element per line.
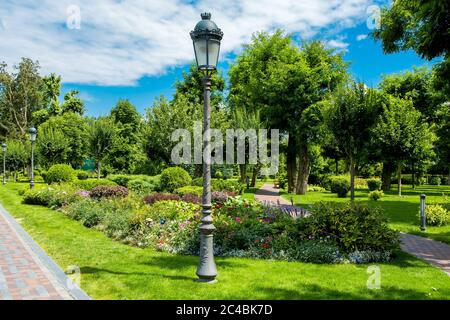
<point>60,173</point>
<point>174,178</point>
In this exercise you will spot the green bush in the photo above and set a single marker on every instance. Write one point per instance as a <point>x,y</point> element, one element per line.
<point>82,175</point>
<point>100,192</point>
<point>90,184</point>
<point>376,195</point>
<point>174,178</point>
<point>197,182</point>
<point>218,175</point>
<point>162,211</point>
<point>282,180</point>
<point>89,213</point>
<point>51,196</point>
<point>353,226</point>
<point>195,190</point>
<point>60,173</point>
<point>435,181</point>
<point>141,186</point>
<point>374,184</point>
<point>227,185</point>
<point>340,186</point>
<point>318,252</point>
<point>422,181</point>
<point>437,215</point>
<point>313,188</point>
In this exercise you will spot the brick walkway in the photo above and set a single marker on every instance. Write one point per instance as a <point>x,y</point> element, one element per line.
<point>434,252</point>
<point>26,272</point>
<point>269,195</point>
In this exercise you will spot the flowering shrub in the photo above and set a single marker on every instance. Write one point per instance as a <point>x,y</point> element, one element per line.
<point>436,215</point>
<point>108,192</point>
<point>51,196</point>
<point>152,198</point>
<point>333,233</point>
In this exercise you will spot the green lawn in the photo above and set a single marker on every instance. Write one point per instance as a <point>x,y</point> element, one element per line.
<point>111,270</point>
<point>402,212</point>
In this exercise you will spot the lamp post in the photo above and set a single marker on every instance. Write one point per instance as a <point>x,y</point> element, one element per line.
<point>33,132</point>
<point>206,38</point>
<point>4,162</point>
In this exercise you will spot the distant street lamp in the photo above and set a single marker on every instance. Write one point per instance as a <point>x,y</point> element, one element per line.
<point>206,38</point>
<point>33,133</point>
<point>4,162</point>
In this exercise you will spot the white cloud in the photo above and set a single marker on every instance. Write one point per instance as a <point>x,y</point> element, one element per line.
<point>121,41</point>
<point>339,44</point>
<point>361,37</point>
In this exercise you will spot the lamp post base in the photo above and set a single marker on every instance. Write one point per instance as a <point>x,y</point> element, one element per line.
<point>208,281</point>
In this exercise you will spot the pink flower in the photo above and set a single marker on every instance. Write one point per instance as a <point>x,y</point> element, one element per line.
<point>238,220</point>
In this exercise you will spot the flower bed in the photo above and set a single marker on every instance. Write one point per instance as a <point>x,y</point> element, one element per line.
<point>331,234</point>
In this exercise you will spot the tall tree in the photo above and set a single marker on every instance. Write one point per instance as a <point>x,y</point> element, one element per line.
<point>443,133</point>
<point>20,96</point>
<point>275,77</point>
<point>17,156</point>
<point>352,114</point>
<point>126,153</point>
<point>73,103</point>
<point>74,129</point>
<point>420,25</point>
<point>402,134</point>
<point>101,137</point>
<point>52,146</point>
<point>191,87</point>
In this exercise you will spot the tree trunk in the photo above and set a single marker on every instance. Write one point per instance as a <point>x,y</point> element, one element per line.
<point>399,178</point>
<point>413,175</point>
<point>243,172</point>
<point>304,168</point>
<point>352,180</point>
<point>198,172</point>
<point>448,181</point>
<point>255,175</point>
<point>386,175</point>
<point>291,163</point>
<point>99,168</point>
<point>337,166</point>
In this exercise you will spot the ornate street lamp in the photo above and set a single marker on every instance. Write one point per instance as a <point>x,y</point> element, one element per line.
<point>33,132</point>
<point>206,38</point>
<point>4,162</point>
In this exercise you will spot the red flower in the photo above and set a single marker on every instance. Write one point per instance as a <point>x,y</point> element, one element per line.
<point>238,220</point>
<point>265,245</point>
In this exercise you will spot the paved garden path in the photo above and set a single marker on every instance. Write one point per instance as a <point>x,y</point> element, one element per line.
<point>434,252</point>
<point>268,195</point>
<point>26,271</point>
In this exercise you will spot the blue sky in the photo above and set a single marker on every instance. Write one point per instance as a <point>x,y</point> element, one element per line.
<point>136,49</point>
